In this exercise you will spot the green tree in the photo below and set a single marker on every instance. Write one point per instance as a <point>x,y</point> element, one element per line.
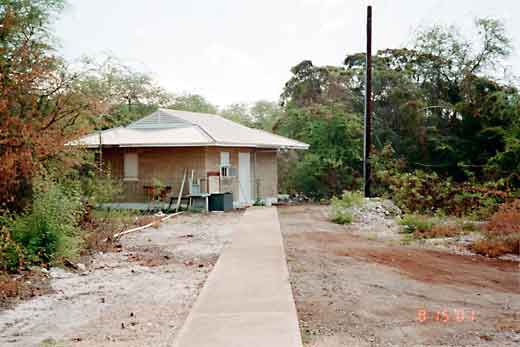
<point>193,103</point>
<point>239,113</point>
<point>124,93</point>
<point>265,114</point>
<point>333,162</point>
<point>436,103</point>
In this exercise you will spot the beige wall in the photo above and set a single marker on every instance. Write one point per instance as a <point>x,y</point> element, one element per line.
<point>228,184</point>
<point>168,164</point>
<point>266,170</point>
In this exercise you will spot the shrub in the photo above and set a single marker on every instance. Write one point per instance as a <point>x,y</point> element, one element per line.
<point>49,230</point>
<point>341,216</point>
<point>494,247</point>
<point>97,189</point>
<point>413,223</point>
<point>441,230</point>
<point>505,221</point>
<point>428,193</point>
<point>11,254</point>
<point>348,199</point>
<point>502,233</point>
<point>339,207</point>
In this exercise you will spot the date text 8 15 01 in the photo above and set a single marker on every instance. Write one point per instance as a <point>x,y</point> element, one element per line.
<point>446,315</point>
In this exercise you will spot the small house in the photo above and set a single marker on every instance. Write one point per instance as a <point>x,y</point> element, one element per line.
<point>183,153</point>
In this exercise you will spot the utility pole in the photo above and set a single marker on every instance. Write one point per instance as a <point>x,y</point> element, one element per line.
<point>368,106</point>
<point>100,153</point>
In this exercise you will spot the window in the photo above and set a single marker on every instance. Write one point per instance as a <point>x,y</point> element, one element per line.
<point>228,171</point>
<point>224,159</point>
<point>225,166</point>
<point>131,167</point>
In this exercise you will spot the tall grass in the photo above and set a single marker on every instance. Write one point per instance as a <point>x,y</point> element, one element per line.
<point>47,232</point>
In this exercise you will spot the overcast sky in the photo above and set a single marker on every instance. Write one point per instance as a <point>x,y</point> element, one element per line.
<point>242,50</point>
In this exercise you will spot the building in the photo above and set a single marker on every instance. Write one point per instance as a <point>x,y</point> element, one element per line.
<point>208,152</point>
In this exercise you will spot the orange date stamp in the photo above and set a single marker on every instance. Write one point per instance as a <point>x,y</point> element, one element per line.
<point>446,316</point>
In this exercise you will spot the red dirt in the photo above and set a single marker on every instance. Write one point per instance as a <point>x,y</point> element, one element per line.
<point>425,265</point>
<point>352,291</point>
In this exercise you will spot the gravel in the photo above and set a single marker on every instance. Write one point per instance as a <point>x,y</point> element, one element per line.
<point>137,297</point>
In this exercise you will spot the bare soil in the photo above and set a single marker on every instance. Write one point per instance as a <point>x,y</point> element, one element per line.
<point>352,291</point>
<point>139,296</point>
<point>23,286</point>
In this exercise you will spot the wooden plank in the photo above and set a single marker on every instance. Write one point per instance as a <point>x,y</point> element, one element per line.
<point>145,226</point>
<point>181,190</point>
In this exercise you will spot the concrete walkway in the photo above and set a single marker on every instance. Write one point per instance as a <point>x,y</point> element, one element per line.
<point>247,300</point>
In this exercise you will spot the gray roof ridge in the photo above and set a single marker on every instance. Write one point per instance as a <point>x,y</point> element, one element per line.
<point>241,125</point>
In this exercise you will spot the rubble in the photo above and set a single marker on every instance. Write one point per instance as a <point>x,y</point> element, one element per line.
<point>376,215</point>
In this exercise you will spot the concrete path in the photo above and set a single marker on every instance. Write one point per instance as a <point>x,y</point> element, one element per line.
<point>247,300</point>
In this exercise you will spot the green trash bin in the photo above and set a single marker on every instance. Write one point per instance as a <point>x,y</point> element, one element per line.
<point>221,202</point>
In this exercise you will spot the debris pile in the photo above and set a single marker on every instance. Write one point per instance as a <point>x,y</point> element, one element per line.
<point>376,215</point>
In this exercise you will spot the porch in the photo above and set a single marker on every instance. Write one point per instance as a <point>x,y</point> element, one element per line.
<point>148,174</point>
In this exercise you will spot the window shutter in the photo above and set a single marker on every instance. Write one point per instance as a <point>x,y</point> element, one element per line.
<point>131,167</point>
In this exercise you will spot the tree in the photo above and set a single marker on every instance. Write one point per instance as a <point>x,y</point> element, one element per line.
<point>239,113</point>
<point>41,106</point>
<point>319,105</point>
<point>333,162</point>
<point>193,103</point>
<point>265,114</point>
<point>428,100</point>
<point>125,93</point>
<point>436,103</point>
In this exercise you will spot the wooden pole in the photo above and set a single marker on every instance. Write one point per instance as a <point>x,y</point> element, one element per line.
<point>368,106</point>
<point>179,198</point>
<point>100,154</point>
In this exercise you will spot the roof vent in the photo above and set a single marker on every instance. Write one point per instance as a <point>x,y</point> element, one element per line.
<point>159,120</point>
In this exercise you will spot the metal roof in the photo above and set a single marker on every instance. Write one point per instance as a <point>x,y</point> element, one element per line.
<point>171,128</point>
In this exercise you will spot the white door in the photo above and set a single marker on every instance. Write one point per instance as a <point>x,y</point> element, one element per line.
<point>244,178</point>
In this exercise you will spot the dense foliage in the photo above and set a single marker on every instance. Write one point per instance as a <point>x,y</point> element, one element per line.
<point>453,128</point>
<point>45,232</point>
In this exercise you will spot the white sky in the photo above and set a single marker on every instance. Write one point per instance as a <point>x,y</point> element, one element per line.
<point>242,50</point>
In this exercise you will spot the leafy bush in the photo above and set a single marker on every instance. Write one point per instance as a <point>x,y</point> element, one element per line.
<point>441,230</point>
<point>95,188</point>
<point>340,216</point>
<point>339,207</point>
<point>428,193</point>
<point>11,254</point>
<point>425,227</point>
<point>48,231</point>
<point>495,247</point>
<point>502,233</point>
<point>413,223</point>
<point>506,220</point>
<point>348,199</point>
<point>98,189</point>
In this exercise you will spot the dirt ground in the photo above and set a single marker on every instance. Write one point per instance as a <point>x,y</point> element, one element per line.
<point>139,296</point>
<point>354,291</point>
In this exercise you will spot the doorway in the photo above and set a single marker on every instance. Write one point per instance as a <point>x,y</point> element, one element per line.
<point>244,178</point>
